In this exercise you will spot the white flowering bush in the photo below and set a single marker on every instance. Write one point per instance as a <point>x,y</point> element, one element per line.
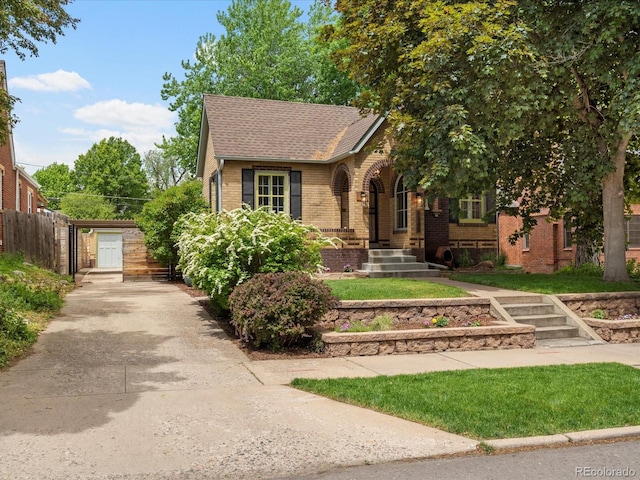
<point>221,250</point>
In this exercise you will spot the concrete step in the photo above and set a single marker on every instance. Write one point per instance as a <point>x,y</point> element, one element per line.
<point>400,267</point>
<point>542,320</point>
<point>519,299</point>
<point>405,274</point>
<point>518,309</point>
<point>545,333</point>
<point>389,252</point>
<point>394,259</point>
<point>567,342</point>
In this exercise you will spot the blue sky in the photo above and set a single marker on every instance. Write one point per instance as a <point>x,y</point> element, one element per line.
<point>104,78</point>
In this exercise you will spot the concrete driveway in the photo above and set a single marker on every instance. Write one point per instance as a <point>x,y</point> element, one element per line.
<point>133,380</point>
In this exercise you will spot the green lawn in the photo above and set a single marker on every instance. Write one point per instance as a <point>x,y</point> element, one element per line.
<point>390,288</point>
<point>548,284</point>
<point>499,403</point>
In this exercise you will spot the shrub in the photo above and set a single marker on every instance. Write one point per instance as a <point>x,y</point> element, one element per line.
<point>464,260</point>
<point>275,310</point>
<point>221,250</point>
<point>380,323</point>
<point>159,216</point>
<point>14,328</point>
<point>586,269</point>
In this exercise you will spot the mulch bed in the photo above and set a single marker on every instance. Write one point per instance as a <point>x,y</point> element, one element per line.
<point>250,352</point>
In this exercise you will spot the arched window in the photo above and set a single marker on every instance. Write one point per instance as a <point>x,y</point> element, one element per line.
<point>401,210</point>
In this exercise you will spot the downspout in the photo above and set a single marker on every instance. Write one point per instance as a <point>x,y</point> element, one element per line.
<point>219,186</point>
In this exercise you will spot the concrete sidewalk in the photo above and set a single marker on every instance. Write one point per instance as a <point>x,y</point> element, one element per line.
<point>134,380</point>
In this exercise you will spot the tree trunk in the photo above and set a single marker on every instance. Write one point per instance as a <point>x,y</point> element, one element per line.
<point>586,252</point>
<point>615,265</point>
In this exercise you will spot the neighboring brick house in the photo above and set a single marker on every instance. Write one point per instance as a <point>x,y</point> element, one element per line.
<point>18,190</point>
<point>328,166</point>
<point>549,247</point>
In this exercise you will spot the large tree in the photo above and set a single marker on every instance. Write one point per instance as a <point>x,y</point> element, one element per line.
<point>56,180</point>
<point>267,51</point>
<point>162,172</point>
<point>87,206</point>
<point>22,25</point>
<point>537,97</point>
<point>113,169</point>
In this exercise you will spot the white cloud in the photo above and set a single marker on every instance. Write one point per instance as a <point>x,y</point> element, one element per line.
<point>60,81</point>
<point>129,116</point>
<point>140,124</point>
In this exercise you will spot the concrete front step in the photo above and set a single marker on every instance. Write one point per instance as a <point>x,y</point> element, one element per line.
<point>389,252</point>
<point>542,320</point>
<point>523,309</point>
<point>399,267</point>
<point>405,274</point>
<point>394,259</point>
<point>566,331</point>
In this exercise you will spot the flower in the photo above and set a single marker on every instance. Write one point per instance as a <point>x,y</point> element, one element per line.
<point>347,268</point>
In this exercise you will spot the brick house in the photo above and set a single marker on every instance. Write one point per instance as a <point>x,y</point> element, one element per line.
<point>548,247</point>
<point>18,190</point>
<point>329,166</point>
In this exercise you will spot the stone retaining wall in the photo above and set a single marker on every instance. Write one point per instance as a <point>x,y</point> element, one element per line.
<point>616,331</point>
<point>407,311</point>
<point>615,304</point>
<point>507,336</point>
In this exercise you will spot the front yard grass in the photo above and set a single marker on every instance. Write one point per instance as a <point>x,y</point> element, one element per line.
<point>391,288</point>
<point>548,284</point>
<point>499,403</point>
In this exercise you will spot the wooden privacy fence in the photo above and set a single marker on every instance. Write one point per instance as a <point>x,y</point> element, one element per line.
<point>42,238</point>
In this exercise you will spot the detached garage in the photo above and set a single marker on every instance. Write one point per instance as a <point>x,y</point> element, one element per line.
<point>109,249</point>
<point>116,245</point>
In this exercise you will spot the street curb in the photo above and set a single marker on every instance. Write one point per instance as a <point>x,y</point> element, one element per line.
<point>584,436</point>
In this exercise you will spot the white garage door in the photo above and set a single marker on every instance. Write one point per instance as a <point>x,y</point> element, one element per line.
<point>110,250</point>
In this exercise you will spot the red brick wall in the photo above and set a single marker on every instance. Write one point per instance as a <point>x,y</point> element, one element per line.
<point>546,253</point>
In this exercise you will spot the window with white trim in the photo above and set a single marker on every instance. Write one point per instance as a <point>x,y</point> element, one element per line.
<point>272,190</point>
<point>29,201</point>
<point>568,238</point>
<point>18,195</point>
<point>401,207</point>
<point>472,209</point>
<point>526,241</point>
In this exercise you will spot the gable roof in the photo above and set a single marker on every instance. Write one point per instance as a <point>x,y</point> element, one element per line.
<point>257,129</point>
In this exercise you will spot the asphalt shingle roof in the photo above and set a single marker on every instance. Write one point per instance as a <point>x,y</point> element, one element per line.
<point>272,129</point>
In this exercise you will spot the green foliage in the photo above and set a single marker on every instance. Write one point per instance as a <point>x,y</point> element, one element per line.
<point>113,168</point>
<point>56,181</point>
<point>28,296</point>
<point>633,268</point>
<point>502,94</point>
<point>221,250</point>
<point>464,260</point>
<point>585,270</point>
<point>162,172</point>
<point>499,260</point>
<point>439,321</point>
<point>599,313</point>
<point>159,216</point>
<point>275,310</point>
<point>87,206</point>
<point>380,323</point>
<point>267,51</point>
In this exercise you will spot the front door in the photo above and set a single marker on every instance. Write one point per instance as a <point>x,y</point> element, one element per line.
<point>373,213</point>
